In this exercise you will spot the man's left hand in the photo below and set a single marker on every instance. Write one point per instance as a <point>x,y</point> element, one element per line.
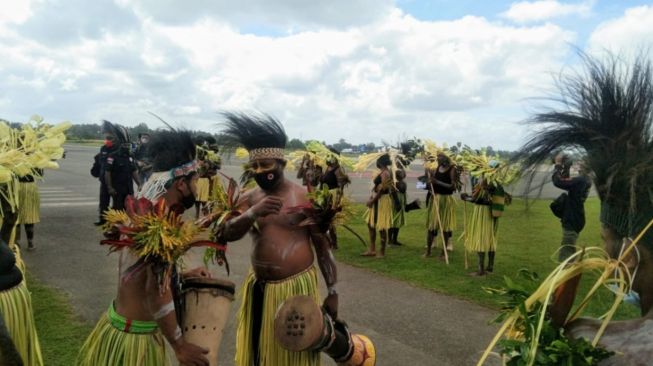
<point>331,305</point>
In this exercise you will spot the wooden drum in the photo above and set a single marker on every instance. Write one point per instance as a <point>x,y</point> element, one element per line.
<point>205,310</point>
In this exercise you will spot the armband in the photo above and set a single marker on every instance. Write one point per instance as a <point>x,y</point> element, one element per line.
<point>164,310</point>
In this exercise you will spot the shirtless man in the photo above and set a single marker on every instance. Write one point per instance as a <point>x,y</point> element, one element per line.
<point>142,314</point>
<point>282,255</point>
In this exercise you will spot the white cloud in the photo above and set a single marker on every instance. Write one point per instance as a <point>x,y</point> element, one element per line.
<point>535,11</point>
<point>291,15</point>
<point>631,32</point>
<point>15,11</point>
<point>371,80</point>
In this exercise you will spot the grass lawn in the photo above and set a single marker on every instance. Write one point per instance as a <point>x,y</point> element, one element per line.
<point>60,333</point>
<point>527,239</point>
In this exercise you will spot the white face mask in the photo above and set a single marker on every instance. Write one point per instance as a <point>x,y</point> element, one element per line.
<point>630,297</point>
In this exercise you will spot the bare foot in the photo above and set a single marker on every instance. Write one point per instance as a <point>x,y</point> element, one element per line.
<point>380,255</point>
<point>426,255</point>
<point>477,274</point>
<point>368,254</point>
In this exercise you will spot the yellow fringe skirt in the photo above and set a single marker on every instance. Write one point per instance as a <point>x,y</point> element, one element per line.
<point>380,216</point>
<point>480,234</point>
<point>16,310</point>
<point>275,293</point>
<point>110,344</point>
<point>19,259</point>
<point>216,188</point>
<point>29,203</point>
<point>399,218</point>
<point>446,207</point>
<point>202,190</point>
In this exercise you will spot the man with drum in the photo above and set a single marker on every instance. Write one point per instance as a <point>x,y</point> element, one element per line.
<point>282,256</point>
<point>132,331</point>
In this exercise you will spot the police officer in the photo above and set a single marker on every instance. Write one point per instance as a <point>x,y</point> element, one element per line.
<point>120,170</point>
<point>99,168</point>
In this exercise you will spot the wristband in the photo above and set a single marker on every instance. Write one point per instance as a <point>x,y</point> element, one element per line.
<point>178,334</point>
<point>331,290</point>
<point>250,215</point>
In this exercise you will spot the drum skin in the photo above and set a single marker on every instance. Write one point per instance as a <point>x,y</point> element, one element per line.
<point>299,324</point>
<point>206,309</point>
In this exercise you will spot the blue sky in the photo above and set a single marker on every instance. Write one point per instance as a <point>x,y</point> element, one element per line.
<point>363,70</point>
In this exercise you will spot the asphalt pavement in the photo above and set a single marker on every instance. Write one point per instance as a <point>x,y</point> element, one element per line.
<point>408,325</point>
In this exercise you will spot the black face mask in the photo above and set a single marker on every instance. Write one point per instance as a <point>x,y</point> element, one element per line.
<point>267,180</point>
<point>188,201</point>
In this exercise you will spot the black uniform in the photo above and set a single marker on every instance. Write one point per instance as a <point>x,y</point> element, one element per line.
<point>97,171</point>
<point>121,166</point>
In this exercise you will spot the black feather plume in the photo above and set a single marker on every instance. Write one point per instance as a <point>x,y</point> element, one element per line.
<point>170,149</point>
<point>252,131</point>
<point>604,112</point>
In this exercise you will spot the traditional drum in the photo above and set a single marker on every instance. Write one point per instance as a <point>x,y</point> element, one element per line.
<point>300,324</point>
<point>205,310</point>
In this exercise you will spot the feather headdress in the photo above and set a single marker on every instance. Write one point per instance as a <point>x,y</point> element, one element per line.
<point>172,154</point>
<point>605,112</point>
<point>262,136</point>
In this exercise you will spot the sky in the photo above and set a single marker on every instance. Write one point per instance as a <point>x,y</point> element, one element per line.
<point>363,70</point>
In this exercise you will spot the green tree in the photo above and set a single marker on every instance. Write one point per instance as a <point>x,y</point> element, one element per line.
<point>295,144</point>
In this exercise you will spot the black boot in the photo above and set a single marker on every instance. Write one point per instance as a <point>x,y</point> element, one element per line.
<point>481,265</point>
<point>490,262</point>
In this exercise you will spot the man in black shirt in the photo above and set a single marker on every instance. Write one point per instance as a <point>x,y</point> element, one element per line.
<point>573,206</point>
<point>99,167</point>
<point>119,172</point>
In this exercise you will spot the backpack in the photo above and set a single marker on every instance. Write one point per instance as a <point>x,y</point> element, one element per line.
<point>558,205</point>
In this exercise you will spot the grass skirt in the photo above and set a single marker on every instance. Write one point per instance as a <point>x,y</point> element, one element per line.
<point>29,203</point>
<point>202,189</point>
<point>480,234</point>
<point>108,345</point>
<point>447,210</point>
<point>276,292</point>
<point>216,188</point>
<point>16,310</point>
<point>381,214</point>
<point>399,218</point>
<point>19,259</point>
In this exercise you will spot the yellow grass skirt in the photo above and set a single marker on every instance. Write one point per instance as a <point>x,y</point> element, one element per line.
<point>380,216</point>
<point>19,259</point>
<point>29,203</point>
<point>399,218</point>
<point>446,207</point>
<point>108,345</point>
<point>276,292</point>
<point>16,309</point>
<point>216,188</point>
<point>480,234</point>
<point>202,190</point>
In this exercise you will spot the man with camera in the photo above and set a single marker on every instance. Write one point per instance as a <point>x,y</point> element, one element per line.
<point>570,206</point>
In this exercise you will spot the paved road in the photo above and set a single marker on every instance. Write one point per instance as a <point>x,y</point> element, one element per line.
<point>410,326</point>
